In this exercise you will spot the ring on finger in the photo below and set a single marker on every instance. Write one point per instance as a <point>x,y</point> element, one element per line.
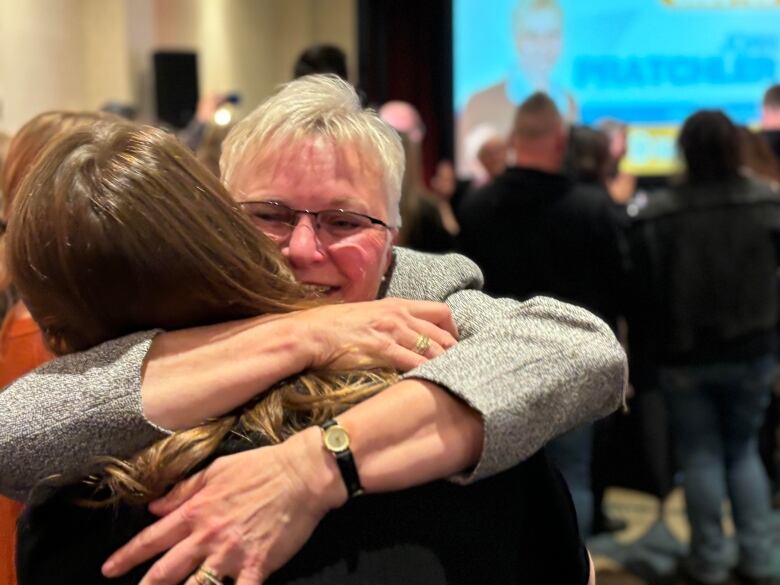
<point>206,576</point>
<point>422,344</point>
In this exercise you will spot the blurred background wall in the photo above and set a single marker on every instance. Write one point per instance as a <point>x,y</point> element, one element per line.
<point>81,54</point>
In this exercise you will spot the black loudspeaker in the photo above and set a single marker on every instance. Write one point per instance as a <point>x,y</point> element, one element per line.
<point>176,86</point>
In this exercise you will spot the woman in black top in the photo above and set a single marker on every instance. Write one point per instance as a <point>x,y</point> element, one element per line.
<point>145,237</point>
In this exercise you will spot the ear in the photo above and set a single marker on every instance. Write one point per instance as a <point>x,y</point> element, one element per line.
<point>563,138</point>
<point>560,143</point>
<point>766,115</point>
<point>394,235</point>
<point>512,147</point>
<point>393,239</point>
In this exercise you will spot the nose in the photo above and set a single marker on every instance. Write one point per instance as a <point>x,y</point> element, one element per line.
<point>304,247</point>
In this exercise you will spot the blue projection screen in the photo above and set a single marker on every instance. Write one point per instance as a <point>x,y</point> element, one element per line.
<point>649,63</point>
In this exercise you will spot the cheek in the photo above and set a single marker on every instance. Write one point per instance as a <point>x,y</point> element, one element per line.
<point>363,261</point>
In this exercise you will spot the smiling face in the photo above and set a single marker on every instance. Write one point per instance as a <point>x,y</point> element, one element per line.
<point>316,175</point>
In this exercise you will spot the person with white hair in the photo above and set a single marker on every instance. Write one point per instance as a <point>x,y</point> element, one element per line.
<point>321,177</point>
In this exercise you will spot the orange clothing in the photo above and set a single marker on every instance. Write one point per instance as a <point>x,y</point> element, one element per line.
<point>21,345</point>
<point>21,350</point>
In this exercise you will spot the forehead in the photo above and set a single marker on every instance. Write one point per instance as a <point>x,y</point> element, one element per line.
<point>539,21</point>
<point>311,169</point>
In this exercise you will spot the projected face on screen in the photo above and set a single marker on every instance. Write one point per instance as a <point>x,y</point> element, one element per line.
<point>538,38</point>
<point>535,30</point>
<point>648,63</point>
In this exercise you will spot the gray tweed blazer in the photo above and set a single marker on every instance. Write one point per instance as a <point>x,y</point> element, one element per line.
<point>533,370</point>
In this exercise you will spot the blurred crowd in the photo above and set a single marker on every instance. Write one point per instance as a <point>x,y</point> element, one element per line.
<point>684,271</point>
<point>685,274</point>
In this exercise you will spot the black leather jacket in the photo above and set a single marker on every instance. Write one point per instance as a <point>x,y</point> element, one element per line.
<point>704,272</point>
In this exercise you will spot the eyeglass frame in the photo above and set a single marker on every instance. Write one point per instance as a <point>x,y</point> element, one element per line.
<point>315,214</point>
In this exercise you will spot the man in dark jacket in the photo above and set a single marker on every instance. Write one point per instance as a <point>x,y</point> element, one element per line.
<point>534,232</point>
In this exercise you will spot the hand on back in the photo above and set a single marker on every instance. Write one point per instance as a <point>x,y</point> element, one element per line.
<point>378,333</point>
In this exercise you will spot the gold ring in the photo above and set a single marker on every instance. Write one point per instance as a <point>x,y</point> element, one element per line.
<point>422,344</point>
<point>206,576</point>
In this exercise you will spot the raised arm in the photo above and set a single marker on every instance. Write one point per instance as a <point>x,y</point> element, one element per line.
<point>533,370</point>
<point>59,418</point>
<point>122,396</point>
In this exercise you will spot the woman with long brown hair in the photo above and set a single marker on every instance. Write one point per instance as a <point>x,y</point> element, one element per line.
<point>21,345</point>
<point>116,232</point>
<point>118,229</point>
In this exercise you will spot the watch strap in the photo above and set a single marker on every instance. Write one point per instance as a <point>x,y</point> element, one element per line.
<point>347,467</point>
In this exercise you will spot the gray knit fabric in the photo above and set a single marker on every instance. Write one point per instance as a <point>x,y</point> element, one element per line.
<point>533,370</point>
<point>62,416</point>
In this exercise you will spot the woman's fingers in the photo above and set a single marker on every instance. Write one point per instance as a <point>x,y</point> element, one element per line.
<point>178,495</point>
<point>390,331</point>
<point>148,543</point>
<point>250,576</point>
<point>437,313</point>
<point>411,348</point>
<point>402,358</point>
<point>215,570</point>
<point>441,337</point>
<point>175,565</point>
<point>423,344</point>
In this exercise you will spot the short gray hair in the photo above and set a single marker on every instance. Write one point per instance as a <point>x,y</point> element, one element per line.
<point>321,106</point>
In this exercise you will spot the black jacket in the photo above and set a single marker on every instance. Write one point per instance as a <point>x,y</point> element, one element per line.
<point>514,528</point>
<point>772,138</point>
<point>537,233</point>
<point>704,273</point>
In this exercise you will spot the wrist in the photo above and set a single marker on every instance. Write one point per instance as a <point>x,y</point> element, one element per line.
<point>336,441</point>
<point>316,340</point>
<point>292,335</point>
<point>317,469</point>
<point>218,368</point>
<point>412,433</point>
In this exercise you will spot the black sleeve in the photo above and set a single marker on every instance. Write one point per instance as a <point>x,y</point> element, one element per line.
<point>428,233</point>
<point>555,551</point>
<point>641,309</point>
<point>59,541</point>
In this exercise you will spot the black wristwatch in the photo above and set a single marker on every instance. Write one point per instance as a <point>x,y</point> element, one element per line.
<point>335,438</point>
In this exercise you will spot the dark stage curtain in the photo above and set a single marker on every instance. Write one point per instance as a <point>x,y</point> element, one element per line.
<point>405,52</point>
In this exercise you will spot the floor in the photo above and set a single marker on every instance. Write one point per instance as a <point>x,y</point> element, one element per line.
<point>647,551</point>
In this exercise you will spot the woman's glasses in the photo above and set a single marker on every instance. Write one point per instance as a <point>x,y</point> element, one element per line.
<point>278,221</point>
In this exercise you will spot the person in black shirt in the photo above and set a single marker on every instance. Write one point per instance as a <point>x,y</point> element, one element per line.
<point>534,231</point>
<point>149,238</point>
<point>704,257</point>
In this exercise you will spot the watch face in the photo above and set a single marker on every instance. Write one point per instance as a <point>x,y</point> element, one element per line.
<point>336,439</point>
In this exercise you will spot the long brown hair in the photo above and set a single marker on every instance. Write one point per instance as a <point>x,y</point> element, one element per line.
<point>5,142</point>
<point>118,229</point>
<point>24,148</point>
<point>5,295</point>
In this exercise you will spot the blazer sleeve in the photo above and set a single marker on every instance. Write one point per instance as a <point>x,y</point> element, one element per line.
<point>63,415</point>
<point>78,407</point>
<point>533,370</point>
